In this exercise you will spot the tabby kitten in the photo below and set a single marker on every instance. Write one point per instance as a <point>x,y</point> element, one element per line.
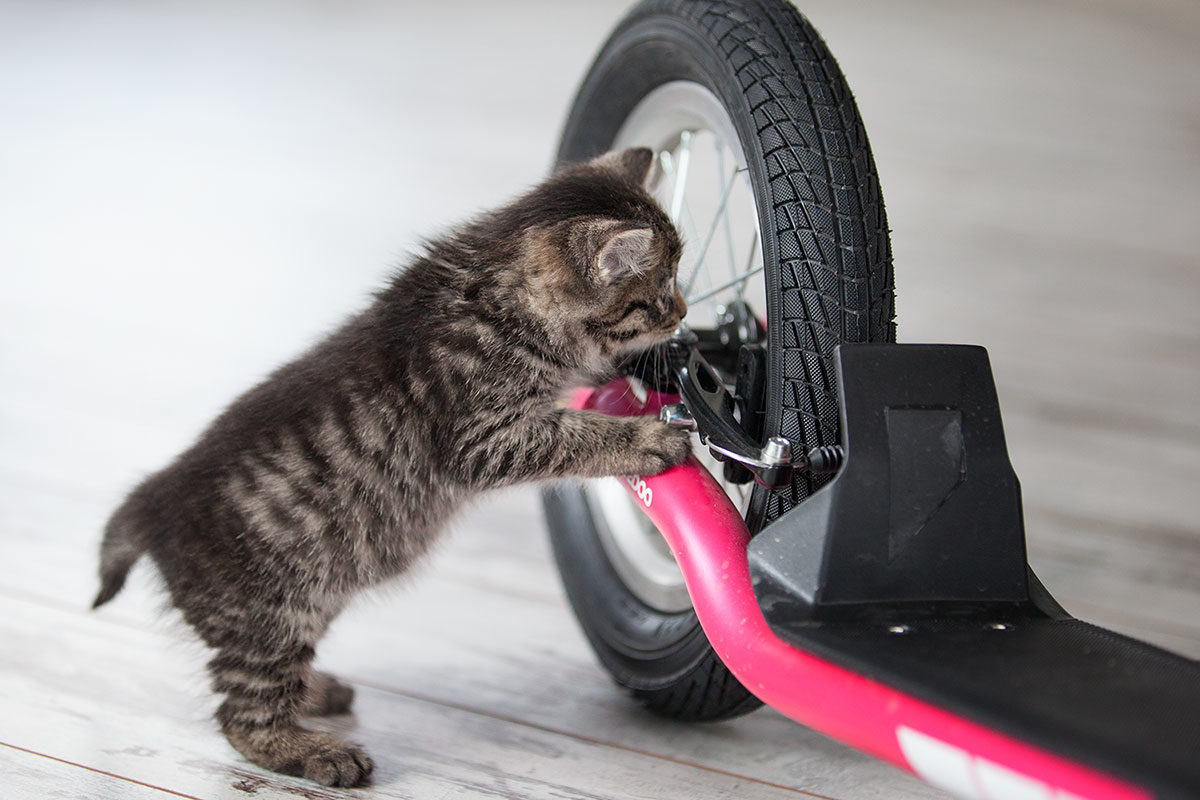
<point>340,469</point>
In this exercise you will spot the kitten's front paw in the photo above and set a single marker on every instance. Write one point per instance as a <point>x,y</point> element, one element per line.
<point>337,763</point>
<point>661,447</point>
<point>293,750</point>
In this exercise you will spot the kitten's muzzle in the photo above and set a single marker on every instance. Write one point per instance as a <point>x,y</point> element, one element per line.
<point>676,310</point>
<point>681,307</point>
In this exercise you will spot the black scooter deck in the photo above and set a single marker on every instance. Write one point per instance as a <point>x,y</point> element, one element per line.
<point>909,568</point>
<point>1102,699</point>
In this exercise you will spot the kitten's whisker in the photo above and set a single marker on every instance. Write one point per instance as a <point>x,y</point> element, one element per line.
<point>659,362</point>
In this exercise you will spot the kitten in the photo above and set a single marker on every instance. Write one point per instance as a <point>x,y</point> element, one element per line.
<point>340,469</point>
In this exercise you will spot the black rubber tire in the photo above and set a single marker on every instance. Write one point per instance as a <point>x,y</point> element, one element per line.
<point>663,659</point>
<point>828,275</point>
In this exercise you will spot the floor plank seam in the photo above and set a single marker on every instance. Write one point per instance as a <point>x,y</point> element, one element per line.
<point>409,695</point>
<point>422,698</point>
<point>98,771</point>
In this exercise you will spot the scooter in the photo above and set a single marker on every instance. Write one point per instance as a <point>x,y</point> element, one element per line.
<point>848,535</point>
<point>894,609</point>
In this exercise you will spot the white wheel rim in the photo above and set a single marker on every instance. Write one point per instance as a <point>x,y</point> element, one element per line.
<point>700,176</point>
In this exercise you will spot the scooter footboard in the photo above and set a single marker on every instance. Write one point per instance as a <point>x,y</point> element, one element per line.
<point>991,696</point>
<point>1099,699</point>
<point>918,699</point>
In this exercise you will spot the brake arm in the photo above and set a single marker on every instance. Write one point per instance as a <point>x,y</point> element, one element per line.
<point>707,408</point>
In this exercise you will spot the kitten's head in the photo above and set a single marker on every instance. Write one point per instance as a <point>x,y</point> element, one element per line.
<point>608,254</point>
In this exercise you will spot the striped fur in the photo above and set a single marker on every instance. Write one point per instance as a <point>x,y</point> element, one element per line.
<point>340,470</point>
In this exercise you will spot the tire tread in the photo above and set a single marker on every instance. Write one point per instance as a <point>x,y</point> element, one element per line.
<point>834,255</point>
<point>834,247</point>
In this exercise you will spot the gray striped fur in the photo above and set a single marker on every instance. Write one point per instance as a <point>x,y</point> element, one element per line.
<point>340,470</point>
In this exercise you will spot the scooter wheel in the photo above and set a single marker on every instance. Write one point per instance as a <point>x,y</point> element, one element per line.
<point>764,166</point>
<point>661,656</point>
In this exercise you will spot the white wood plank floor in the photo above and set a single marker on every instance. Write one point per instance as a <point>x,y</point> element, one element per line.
<point>192,192</point>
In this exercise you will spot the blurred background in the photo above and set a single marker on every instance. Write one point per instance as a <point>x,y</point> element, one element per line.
<point>191,193</point>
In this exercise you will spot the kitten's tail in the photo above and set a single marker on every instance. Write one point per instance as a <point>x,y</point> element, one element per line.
<point>120,548</point>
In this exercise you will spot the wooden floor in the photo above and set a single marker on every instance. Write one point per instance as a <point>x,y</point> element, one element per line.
<point>192,192</point>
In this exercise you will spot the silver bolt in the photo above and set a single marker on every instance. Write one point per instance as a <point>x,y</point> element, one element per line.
<point>777,450</point>
<point>677,416</point>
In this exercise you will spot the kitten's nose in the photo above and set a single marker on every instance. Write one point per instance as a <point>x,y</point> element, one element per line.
<point>680,304</point>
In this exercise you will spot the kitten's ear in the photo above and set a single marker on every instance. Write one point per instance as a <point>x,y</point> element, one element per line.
<point>632,164</point>
<point>625,253</point>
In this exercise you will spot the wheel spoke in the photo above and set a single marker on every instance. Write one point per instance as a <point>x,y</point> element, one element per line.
<point>683,158</point>
<point>684,219</point>
<point>726,224</point>
<point>741,287</point>
<point>737,279</point>
<point>712,229</point>
<point>689,220</point>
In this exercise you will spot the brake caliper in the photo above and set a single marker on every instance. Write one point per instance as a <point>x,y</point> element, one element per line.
<point>708,408</point>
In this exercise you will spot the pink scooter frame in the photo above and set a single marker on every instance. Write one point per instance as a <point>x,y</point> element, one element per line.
<point>709,540</point>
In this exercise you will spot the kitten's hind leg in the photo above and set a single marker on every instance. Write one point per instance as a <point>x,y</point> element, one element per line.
<point>326,695</point>
<point>265,689</point>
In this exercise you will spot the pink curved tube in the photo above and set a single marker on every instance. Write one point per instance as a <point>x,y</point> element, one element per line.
<point>709,539</point>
